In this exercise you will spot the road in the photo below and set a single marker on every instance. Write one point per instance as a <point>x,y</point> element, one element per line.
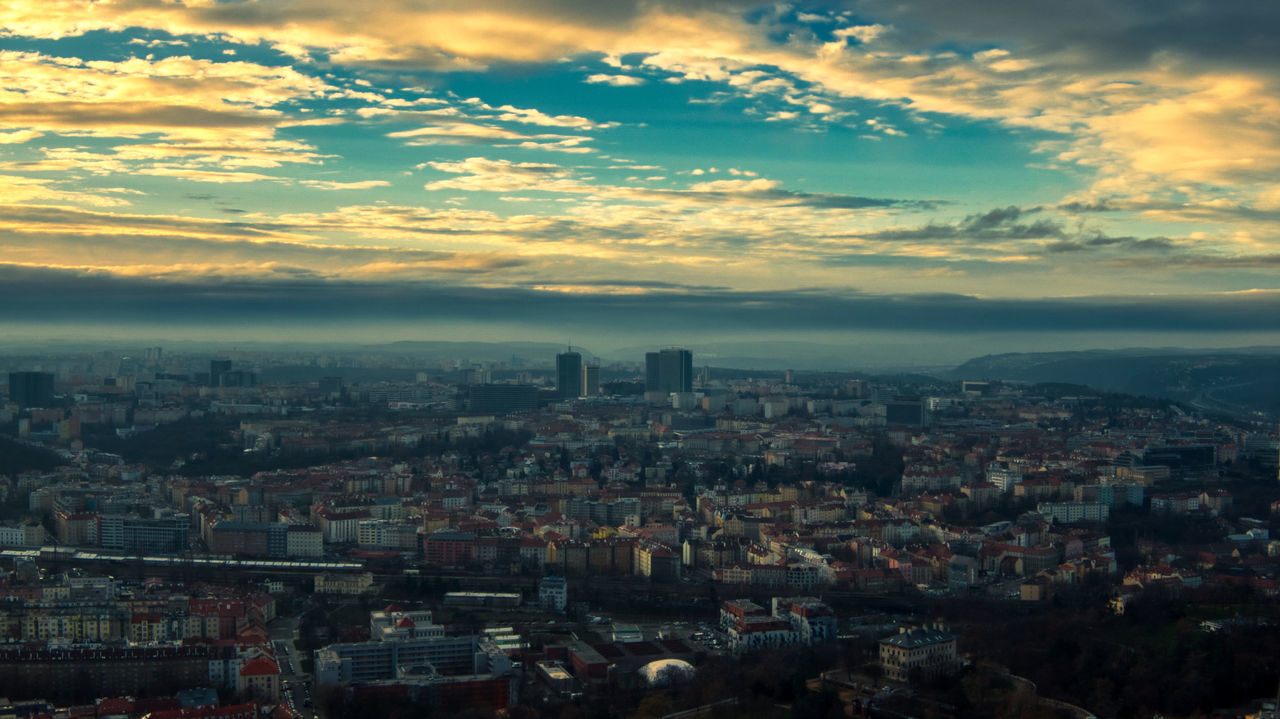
<point>295,686</point>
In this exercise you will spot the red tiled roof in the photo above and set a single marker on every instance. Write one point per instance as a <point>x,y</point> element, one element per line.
<point>258,667</point>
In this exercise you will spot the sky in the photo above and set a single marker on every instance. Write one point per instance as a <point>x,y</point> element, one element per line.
<point>942,178</point>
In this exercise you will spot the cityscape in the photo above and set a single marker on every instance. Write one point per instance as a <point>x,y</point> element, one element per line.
<point>258,533</point>
<point>650,359</point>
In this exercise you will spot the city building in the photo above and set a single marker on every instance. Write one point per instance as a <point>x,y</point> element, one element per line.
<point>553,593</point>
<point>569,374</point>
<point>397,625</point>
<point>142,535</point>
<point>669,370</point>
<point>1071,512</point>
<point>259,678</point>
<point>625,510</point>
<point>351,584</point>
<point>812,619</point>
<point>448,548</point>
<point>748,626</point>
<point>96,670</point>
<point>906,411</point>
<point>344,663</point>
<point>1003,476</point>
<point>31,389</point>
<point>216,368</point>
<point>924,651</point>
<point>503,398</point>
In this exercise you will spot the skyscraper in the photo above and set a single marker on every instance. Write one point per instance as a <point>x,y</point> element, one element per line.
<point>569,374</point>
<point>31,389</point>
<point>217,368</point>
<point>591,379</point>
<point>669,370</point>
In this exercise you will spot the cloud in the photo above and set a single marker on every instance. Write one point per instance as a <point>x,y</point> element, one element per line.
<point>487,175</point>
<point>178,248</point>
<point>531,116</point>
<point>16,137</point>
<point>28,189</point>
<point>1147,117</point>
<point>358,185</point>
<point>1146,96</point>
<point>614,80</point>
<point>483,174</point>
<point>203,120</point>
<point>756,186</point>
<point>862,33</point>
<point>996,224</point>
<point>471,133</point>
<point>60,295</point>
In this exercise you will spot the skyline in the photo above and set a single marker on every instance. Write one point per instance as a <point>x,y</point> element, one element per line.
<point>1023,176</point>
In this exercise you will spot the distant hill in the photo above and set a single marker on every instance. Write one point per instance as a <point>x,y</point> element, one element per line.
<point>763,355</point>
<point>532,352</point>
<point>1240,382</point>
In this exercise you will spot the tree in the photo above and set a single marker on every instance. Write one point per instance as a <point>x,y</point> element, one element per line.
<point>657,704</point>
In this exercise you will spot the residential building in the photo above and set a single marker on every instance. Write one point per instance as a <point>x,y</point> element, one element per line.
<point>812,619</point>
<point>926,651</point>
<point>259,678</point>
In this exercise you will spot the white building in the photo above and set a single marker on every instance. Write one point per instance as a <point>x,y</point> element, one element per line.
<point>387,534</point>
<point>752,632</point>
<point>303,540</point>
<point>1068,512</point>
<point>812,619</point>
<point>553,593</point>
<point>400,625</point>
<point>24,534</point>
<point>1003,476</point>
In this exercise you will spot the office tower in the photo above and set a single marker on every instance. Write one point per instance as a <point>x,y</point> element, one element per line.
<point>473,375</point>
<point>591,379</point>
<point>503,398</point>
<point>217,368</point>
<point>670,370</point>
<point>569,374</point>
<point>906,411</point>
<point>31,389</point>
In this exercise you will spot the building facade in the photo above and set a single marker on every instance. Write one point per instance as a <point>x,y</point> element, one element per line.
<point>926,651</point>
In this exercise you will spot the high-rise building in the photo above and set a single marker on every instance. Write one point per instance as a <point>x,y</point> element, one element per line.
<point>569,374</point>
<point>216,369</point>
<point>31,389</point>
<point>503,398</point>
<point>906,411</point>
<point>669,370</point>
<point>591,379</point>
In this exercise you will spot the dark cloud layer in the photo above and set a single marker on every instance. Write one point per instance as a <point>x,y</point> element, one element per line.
<point>1111,33</point>
<point>54,297</point>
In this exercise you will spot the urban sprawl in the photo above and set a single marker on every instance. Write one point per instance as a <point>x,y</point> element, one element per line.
<point>293,534</point>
